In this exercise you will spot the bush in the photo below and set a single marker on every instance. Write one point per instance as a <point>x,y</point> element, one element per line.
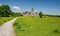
<point>40,14</point>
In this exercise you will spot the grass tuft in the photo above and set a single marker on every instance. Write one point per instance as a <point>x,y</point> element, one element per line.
<point>56,31</point>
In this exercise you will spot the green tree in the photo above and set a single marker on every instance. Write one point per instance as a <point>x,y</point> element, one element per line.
<point>5,11</point>
<point>40,14</point>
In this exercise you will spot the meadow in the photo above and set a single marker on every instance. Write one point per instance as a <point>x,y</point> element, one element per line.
<point>5,19</point>
<point>36,26</point>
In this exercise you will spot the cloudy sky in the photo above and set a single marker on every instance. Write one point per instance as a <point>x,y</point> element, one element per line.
<point>46,6</point>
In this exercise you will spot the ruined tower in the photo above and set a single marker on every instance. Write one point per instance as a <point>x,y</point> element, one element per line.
<point>32,9</point>
<point>32,12</point>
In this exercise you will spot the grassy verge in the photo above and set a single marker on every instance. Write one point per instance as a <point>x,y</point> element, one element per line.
<point>5,19</point>
<point>28,26</point>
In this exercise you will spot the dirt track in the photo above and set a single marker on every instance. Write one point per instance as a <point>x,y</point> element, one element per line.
<point>7,28</point>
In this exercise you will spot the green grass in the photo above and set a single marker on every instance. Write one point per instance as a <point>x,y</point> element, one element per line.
<point>28,26</point>
<point>5,19</point>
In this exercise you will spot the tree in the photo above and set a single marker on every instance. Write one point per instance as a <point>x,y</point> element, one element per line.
<point>5,11</point>
<point>40,14</point>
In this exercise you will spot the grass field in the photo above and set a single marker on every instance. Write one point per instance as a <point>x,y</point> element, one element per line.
<point>5,19</point>
<point>28,26</point>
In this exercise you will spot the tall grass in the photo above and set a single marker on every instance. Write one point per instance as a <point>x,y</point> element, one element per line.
<point>28,26</point>
<point>5,19</point>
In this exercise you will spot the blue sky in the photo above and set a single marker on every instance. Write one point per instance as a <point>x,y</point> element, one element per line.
<point>46,6</point>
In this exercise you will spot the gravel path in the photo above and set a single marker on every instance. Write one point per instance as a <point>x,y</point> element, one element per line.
<point>7,28</point>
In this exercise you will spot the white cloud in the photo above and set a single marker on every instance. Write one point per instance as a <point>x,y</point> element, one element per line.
<point>16,7</point>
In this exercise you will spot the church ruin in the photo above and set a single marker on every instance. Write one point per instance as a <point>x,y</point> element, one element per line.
<point>30,13</point>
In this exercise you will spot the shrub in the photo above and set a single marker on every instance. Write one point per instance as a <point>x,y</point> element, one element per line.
<point>40,14</point>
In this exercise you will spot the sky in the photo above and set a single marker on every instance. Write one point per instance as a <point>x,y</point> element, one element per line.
<point>46,6</point>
